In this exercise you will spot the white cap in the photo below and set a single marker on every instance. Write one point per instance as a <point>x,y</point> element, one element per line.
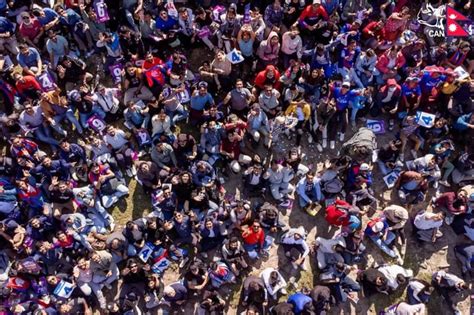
<point>364,167</point>
<point>378,227</point>
<point>316,1</point>
<point>346,84</point>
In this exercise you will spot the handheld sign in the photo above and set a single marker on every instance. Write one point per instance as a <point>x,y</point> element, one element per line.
<point>64,289</point>
<point>377,126</point>
<point>390,179</point>
<point>100,9</point>
<point>46,82</point>
<point>146,252</point>
<point>425,119</point>
<point>172,11</point>
<point>96,123</point>
<point>143,137</point>
<point>247,14</point>
<point>116,72</point>
<point>235,56</point>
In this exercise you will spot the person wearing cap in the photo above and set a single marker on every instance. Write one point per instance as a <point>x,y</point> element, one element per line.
<point>396,218</point>
<point>338,122</point>
<point>378,231</point>
<point>30,30</point>
<point>311,15</point>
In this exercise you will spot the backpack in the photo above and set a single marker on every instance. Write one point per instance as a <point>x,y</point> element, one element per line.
<point>361,145</point>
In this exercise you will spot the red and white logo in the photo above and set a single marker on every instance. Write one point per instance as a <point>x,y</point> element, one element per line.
<point>453,27</point>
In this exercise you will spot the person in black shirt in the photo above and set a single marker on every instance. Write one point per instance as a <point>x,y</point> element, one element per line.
<point>196,278</point>
<point>72,72</point>
<point>62,197</point>
<point>389,157</point>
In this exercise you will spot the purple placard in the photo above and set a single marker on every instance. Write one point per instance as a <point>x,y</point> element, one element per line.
<point>100,9</point>
<point>247,14</point>
<point>204,32</point>
<point>46,81</point>
<point>377,126</point>
<point>116,72</point>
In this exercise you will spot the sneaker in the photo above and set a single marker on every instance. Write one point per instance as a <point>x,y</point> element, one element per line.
<point>283,291</point>
<point>319,147</point>
<point>112,227</point>
<point>332,144</point>
<point>341,137</point>
<point>414,154</point>
<point>435,185</point>
<point>134,170</point>
<point>444,183</point>
<point>325,143</point>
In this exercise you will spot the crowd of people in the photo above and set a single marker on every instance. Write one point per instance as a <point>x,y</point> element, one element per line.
<point>194,99</point>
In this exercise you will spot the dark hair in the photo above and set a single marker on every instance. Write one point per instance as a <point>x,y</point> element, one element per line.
<point>401,279</point>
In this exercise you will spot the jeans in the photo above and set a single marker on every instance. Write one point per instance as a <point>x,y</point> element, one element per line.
<point>303,203</point>
<point>346,285</point>
<point>177,115</point>
<point>109,200</point>
<point>96,109</point>
<point>43,134</point>
<point>253,249</point>
<point>383,244</point>
<point>69,114</point>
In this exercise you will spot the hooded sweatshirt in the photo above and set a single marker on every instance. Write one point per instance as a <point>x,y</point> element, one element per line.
<point>268,52</point>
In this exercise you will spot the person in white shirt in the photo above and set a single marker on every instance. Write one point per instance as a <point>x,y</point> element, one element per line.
<point>395,274</point>
<point>122,149</point>
<point>418,291</point>
<point>279,177</point>
<point>295,246</point>
<point>107,99</point>
<point>329,251</point>
<point>291,46</point>
<point>404,308</point>
<point>161,126</point>
<point>428,224</point>
<point>274,282</point>
<point>447,284</point>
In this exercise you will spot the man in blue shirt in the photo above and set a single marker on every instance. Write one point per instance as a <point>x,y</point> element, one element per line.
<point>301,302</point>
<point>30,60</point>
<point>164,22</point>
<point>48,18</point>
<point>200,101</point>
<point>7,36</point>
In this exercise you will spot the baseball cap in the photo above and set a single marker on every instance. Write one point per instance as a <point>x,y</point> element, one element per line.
<point>346,84</point>
<point>364,167</point>
<point>377,227</point>
<point>316,1</point>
